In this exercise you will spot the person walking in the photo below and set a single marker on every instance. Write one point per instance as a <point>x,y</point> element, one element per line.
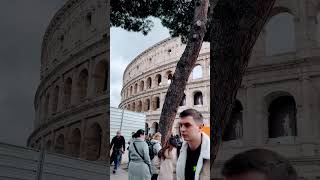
<point>155,147</point>
<point>118,144</point>
<point>139,160</point>
<point>168,160</point>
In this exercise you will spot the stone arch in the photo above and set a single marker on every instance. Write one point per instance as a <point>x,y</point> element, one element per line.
<point>198,98</point>
<point>67,92</point>
<point>146,128</point>
<point>136,88</point>
<point>131,88</point>
<point>147,104</point>
<point>183,101</point>
<point>75,141</point>
<point>154,128</point>
<point>46,106</point>
<point>169,76</point>
<point>59,145</point>
<point>197,72</point>
<point>128,107</point>
<point>133,106</point>
<point>48,145</point>
<point>93,142</point>
<point>141,86</point>
<point>100,76</point>
<point>149,83</point>
<point>139,107</point>
<point>280,32</point>
<point>82,84</point>
<point>158,79</point>
<point>233,129</point>
<point>282,111</point>
<point>155,103</point>
<point>55,99</point>
<point>318,24</point>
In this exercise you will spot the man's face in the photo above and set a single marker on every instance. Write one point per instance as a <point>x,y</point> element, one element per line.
<point>188,128</point>
<point>118,134</point>
<point>248,176</point>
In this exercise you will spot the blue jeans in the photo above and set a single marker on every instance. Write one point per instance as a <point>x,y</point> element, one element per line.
<point>117,159</point>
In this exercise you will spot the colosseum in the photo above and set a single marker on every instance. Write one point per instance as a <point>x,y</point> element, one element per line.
<point>278,104</point>
<point>70,102</point>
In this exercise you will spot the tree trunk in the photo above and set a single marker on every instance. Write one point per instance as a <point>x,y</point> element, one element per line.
<point>235,27</point>
<point>184,68</point>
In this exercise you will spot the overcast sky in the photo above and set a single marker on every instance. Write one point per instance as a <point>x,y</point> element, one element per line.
<point>125,46</point>
<point>23,23</point>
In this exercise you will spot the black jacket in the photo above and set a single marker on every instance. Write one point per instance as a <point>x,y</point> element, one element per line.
<point>117,143</point>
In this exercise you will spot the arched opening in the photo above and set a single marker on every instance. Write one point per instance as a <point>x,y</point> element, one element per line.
<point>146,128</point>
<point>197,72</point>
<point>147,105</point>
<point>233,129</point>
<point>139,108</point>
<point>93,145</point>
<point>128,107</point>
<point>136,88</point>
<point>280,34</point>
<point>155,103</point>
<point>133,106</point>
<point>169,77</point>
<point>131,88</point>
<point>75,141</point>
<point>282,117</point>
<point>158,79</point>
<point>318,27</point>
<point>100,77</point>
<point>82,84</point>
<point>183,101</point>
<point>197,98</point>
<point>67,92</point>
<point>141,85</point>
<point>149,82</point>
<point>55,99</point>
<point>48,145</point>
<point>46,107</point>
<point>154,128</point>
<point>59,146</point>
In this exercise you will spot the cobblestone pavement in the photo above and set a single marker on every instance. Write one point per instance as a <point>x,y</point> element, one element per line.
<point>121,174</point>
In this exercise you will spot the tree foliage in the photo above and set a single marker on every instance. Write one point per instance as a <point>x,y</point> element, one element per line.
<point>134,15</point>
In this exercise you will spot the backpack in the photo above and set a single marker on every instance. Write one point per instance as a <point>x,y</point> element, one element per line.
<point>151,150</point>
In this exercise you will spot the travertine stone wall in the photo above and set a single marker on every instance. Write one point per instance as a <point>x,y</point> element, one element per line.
<point>70,102</point>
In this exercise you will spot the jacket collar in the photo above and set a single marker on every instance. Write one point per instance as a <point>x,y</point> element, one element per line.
<point>205,146</point>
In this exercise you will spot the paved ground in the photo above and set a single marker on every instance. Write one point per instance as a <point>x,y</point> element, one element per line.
<point>121,174</point>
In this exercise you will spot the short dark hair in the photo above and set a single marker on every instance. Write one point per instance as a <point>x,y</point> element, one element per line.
<point>264,161</point>
<point>197,116</point>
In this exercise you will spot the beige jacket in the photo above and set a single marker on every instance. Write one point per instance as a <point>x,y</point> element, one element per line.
<point>168,165</point>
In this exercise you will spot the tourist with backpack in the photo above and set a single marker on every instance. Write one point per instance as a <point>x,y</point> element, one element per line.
<point>139,159</point>
<point>154,148</point>
<point>168,156</point>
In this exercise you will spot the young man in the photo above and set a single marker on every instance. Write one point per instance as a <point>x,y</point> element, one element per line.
<point>118,143</point>
<point>194,159</point>
<point>258,164</point>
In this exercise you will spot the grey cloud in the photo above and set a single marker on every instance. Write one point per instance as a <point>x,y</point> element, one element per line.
<point>23,24</point>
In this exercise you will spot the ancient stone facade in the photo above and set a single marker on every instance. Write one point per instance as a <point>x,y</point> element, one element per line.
<point>278,103</point>
<point>70,102</point>
<point>148,76</point>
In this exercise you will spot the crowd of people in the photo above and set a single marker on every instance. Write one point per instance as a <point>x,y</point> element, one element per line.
<point>189,159</point>
<point>174,160</point>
